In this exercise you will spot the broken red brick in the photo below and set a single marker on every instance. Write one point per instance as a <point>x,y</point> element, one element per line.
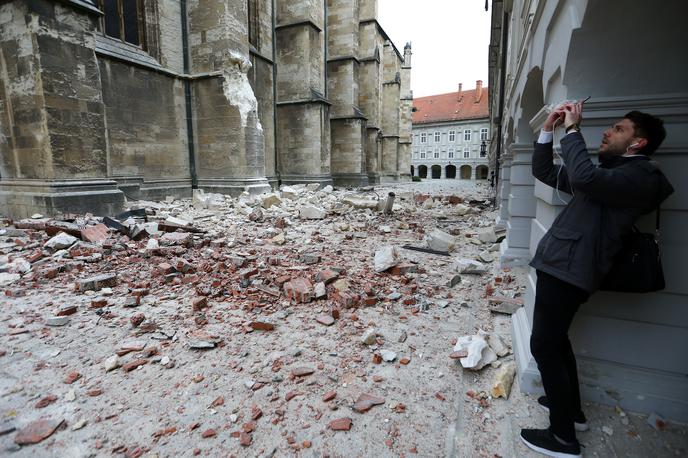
<point>366,401</point>
<point>291,395</point>
<point>95,234</point>
<point>306,444</point>
<point>377,358</point>
<point>220,400</point>
<point>299,290</point>
<point>326,276</point>
<point>165,432</point>
<point>256,413</point>
<point>99,303</point>
<point>340,424</point>
<point>403,268</point>
<point>248,273</point>
<point>440,396</point>
<point>249,427</point>
<point>281,280</point>
<point>326,320</point>
<point>262,326</point>
<point>330,395</point>
<point>46,401</point>
<point>94,392</point>
<point>137,319</point>
<point>346,300</point>
<point>72,377</point>
<point>301,371</point>
<point>458,354</point>
<point>245,439</point>
<point>199,303</point>
<point>208,433</point>
<point>37,431</point>
<point>66,310</point>
<point>404,361</point>
<point>130,366</point>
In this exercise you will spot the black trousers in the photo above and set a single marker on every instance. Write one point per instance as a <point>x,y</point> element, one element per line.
<point>556,303</point>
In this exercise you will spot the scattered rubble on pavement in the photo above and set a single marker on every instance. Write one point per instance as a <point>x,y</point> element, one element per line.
<point>276,323</point>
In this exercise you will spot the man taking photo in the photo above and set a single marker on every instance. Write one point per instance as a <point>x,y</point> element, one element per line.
<point>578,250</point>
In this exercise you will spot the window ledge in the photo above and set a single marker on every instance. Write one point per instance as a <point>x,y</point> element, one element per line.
<point>124,51</point>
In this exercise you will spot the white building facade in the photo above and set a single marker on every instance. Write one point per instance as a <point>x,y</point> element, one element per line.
<point>450,136</point>
<point>630,347</point>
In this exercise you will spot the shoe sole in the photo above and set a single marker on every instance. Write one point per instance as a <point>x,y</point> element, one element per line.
<point>544,451</point>
<point>580,427</point>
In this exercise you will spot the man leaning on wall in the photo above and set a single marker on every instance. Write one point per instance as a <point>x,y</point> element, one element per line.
<point>577,251</point>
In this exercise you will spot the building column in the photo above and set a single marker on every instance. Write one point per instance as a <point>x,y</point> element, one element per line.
<point>390,114</point>
<point>515,249</point>
<point>303,110</point>
<point>230,157</point>
<point>504,188</point>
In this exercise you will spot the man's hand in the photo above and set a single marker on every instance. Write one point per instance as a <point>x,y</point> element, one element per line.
<point>574,114</point>
<point>554,118</point>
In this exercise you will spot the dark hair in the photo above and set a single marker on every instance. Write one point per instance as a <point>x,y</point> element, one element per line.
<point>648,127</point>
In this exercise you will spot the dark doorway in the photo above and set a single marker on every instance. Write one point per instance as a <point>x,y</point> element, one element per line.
<point>450,171</point>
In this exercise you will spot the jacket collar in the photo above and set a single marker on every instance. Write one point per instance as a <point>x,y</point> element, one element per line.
<point>610,161</point>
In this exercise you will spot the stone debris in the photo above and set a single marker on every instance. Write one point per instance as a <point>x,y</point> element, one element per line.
<point>470,266</point>
<point>441,241</point>
<point>312,212</point>
<point>60,242</point>
<point>504,379</point>
<point>478,352</point>
<point>386,258</point>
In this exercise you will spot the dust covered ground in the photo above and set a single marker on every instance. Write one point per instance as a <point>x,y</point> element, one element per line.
<point>263,329</point>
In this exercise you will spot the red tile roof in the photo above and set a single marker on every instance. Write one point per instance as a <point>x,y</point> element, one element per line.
<point>450,107</point>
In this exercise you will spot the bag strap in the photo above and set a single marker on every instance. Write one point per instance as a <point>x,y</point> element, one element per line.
<point>657,224</point>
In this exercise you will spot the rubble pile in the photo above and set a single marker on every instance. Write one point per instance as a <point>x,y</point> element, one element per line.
<point>277,321</point>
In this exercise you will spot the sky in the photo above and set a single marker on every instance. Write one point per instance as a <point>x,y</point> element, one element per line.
<point>449,39</point>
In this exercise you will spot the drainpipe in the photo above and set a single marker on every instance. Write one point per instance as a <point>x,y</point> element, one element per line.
<point>325,53</point>
<point>187,98</point>
<point>502,78</point>
<point>274,93</point>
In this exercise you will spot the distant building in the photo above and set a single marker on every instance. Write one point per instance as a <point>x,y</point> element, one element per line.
<point>451,134</point>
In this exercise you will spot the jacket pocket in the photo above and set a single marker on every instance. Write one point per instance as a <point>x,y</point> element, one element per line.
<point>560,249</point>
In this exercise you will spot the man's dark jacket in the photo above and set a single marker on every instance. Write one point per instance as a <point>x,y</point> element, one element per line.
<point>580,245</point>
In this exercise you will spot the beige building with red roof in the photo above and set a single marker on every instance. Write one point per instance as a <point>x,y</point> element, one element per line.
<point>450,135</point>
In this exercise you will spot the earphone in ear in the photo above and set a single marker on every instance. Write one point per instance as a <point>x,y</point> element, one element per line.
<point>633,145</point>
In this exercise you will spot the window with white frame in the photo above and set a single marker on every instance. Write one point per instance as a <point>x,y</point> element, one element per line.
<point>466,153</point>
<point>483,134</point>
<point>422,154</point>
<point>467,135</point>
<point>436,153</point>
<point>452,135</point>
<point>424,137</point>
<point>451,153</point>
<point>437,136</point>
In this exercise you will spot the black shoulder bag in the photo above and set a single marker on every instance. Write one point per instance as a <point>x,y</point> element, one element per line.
<point>637,267</point>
